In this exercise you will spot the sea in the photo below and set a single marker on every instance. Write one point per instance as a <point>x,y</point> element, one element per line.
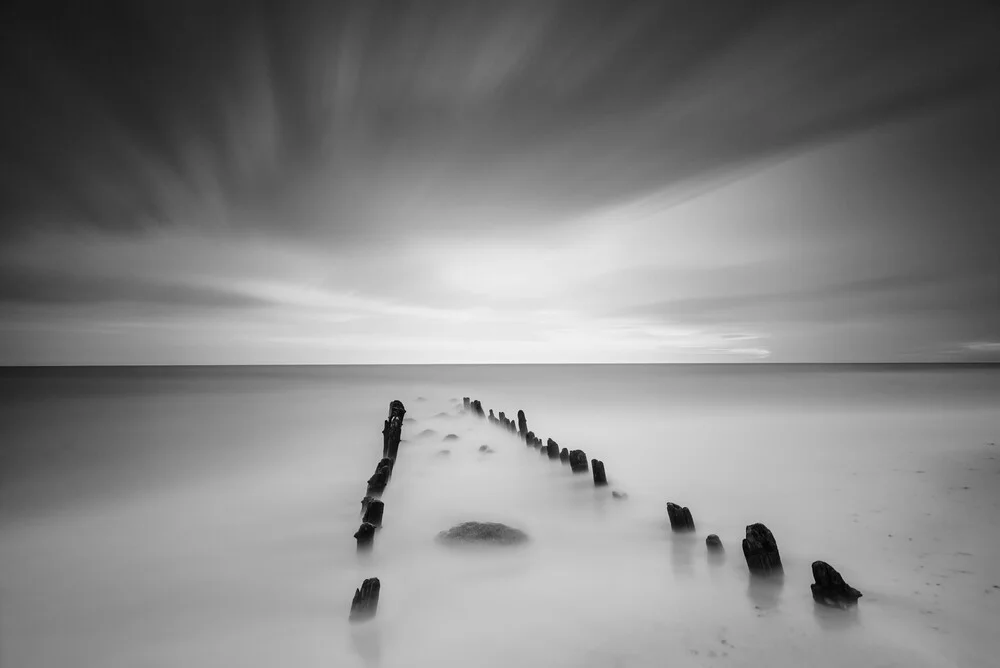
<point>204,516</point>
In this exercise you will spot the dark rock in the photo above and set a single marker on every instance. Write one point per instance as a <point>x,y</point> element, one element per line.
<point>492,533</point>
<point>485,448</point>
<point>600,479</point>
<point>426,432</point>
<point>830,588</point>
<point>444,452</point>
<point>365,536</point>
<point>553,449</point>
<point>680,518</point>
<point>365,603</point>
<point>564,455</point>
<point>373,513</point>
<point>466,404</point>
<point>714,543</point>
<point>392,429</point>
<point>522,424</point>
<point>761,551</point>
<point>619,495</point>
<point>578,461</point>
<point>529,438</point>
<point>451,437</point>
<point>421,399</point>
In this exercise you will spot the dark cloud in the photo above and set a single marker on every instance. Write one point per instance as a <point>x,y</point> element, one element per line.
<point>31,286</point>
<point>369,116</point>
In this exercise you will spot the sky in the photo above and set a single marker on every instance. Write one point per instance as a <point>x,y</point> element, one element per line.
<point>486,182</point>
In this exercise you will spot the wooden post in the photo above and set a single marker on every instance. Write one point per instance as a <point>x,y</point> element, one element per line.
<point>529,439</point>
<point>477,408</point>
<point>553,449</point>
<point>761,551</point>
<point>714,543</point>
<point>564,456</point>
<point>373,513</point>
<point>522,425</point>
<point>365,536</point>
<point>365,603</point>
<point>600,479</point>
<point>377,483</point>
<point>830,588</point>
<point>466,404</point>
<point>680,518</point>
<point>578,461</point>
<point>392,430</point>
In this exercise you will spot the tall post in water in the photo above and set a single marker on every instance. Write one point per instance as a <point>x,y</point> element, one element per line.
<point>600,479</point>
<point>466,404</point>
<point>393,429</point>
<point>365,603</point>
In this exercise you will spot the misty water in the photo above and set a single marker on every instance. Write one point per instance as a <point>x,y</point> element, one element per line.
<point>204,516</point>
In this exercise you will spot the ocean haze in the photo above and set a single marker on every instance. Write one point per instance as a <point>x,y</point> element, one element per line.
<point>203,516</point>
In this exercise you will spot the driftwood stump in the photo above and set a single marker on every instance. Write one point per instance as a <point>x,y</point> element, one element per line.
<point>365,536</point>
<point>680,518</point>
<point>600,479</point>
<point>578,461</point>
<point>365,603</point>
<point>552,448</point>
<point>373,513</point>
<point>761,551</point>
<point>392,430</point>
<point>830,588</point>
<point>522,425</point>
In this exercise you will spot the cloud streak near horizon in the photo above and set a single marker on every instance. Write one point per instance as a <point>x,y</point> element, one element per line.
<point>499,182</point>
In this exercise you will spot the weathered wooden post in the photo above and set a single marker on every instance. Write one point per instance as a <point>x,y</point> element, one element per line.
<point>578,461</point>
<point>365,603</point>
<point>466,405</point>
<point>392,430</point>
<point>522,425</point>
<point>564,456</point>
<point>680,518</point>
<point>365,536</point>
<point>600,479</point>
<point>477,408</point>
<point>373,513</point>
<point>529,439</point>
<point>714,543</point>
<point>553,449</point>
<point>761,551</point>
<point>377,483</point>
<point>503,420</point>
<point>830,588</point>
<point>492,418</point>
<point>364,504</point>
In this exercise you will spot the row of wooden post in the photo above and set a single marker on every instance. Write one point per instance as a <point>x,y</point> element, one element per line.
<point>365,602</point>
<point>760,549</point>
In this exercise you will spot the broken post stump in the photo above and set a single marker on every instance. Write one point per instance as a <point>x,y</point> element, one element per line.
<point>392,429</point>
<point>578,461</point>
<point>477,408</point>
<point>761,551</point>
<point>466,404</point>
<point>365,603</point>
<point>680,518</point>
<point>529,439</point>
<point>553,449</point>
<point>365,536</point>
<point>373,513</point>
<point>378,482</point>
<point>830,588</point>
<point>564,455</point>
<point>714,543</point>
<point>522,425</point>
<point>600,479</point>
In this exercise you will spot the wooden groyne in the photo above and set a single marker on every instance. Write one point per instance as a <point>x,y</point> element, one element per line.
<point>760,549</point>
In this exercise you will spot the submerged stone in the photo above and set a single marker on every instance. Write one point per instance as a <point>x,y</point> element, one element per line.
<point>490,533</point>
